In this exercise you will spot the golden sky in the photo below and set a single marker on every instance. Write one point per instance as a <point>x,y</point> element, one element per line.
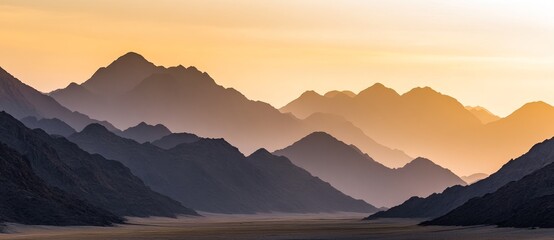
<point>494,53</point>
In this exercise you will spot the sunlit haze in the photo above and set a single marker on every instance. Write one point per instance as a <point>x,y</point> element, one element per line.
<point>497,54</point>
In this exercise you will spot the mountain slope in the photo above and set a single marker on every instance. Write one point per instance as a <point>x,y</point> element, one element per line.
<point>341,128</point>
<point>213,176</point>
<point>21,101</point>
<point>437,205</point>
<point>302,187</point>
<point>172,140</point>
<point>484,115</point>
<point>188,100</point>
<point>356,174</point>
<point>424,122</point>
<point>104,183</point>
<point>25,198</point>
<point>145,133</point>
<point>51,126</point>
<point>474,177</point>
<point>528,202</point>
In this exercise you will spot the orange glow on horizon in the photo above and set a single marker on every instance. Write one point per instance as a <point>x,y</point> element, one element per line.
<point>497,54</point>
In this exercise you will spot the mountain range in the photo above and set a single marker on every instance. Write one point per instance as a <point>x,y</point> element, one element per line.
<point>424,122</point>
<point>528,202</point>
<point>356,174</point>
<point>21,100</point>
<point>213,176</point>
<point>103,183</point>
<point>26,199</point>
<point>131,90</point>
<point>437,205</point>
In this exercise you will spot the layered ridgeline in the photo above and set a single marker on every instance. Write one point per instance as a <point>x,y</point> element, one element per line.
<point>358,175</point>
<point>437,205</point>
<point>484,115</point>
<point>103,183</point>
<point>423,122</point>
<point>528,202</point>
<point>145,133</point>
<point>473,178</point>
<point>21,100</point>
<point>52,126</point>
<point>26,199</point>
<point>132,89</point>
<point>213,176</point>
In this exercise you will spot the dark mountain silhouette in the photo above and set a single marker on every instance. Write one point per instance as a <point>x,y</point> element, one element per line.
<point>302,186</point>
<point>174,139</point>
<point>104,183</point>
<point>437,205</point>
<point>145,133</point>
<point>474,177</point>
<point>424,122</point>
<point>213,176</point>
<point>188,100</point>
<point>21,100</point>
<point>484,115</point>
<point>528,202</point>
<point>51,126</point>
<point>358,175</point>
<point>26,199</point>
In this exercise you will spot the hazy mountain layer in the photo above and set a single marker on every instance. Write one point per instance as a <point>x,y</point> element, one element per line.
<point>21,101</point>
<point>211,175</point>
<point>484,115</point>
<point>187,100</point>
<point>423,122</point>
<point>474,177</point>
<point>358,175</point>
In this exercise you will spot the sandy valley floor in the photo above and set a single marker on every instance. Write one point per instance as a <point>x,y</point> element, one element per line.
<point>345,226</point>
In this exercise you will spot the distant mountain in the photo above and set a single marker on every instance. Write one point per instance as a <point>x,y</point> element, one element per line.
<point>343,129</point>
<point>437,205</point>
<point>145,133</point>
<point>213,176</point>
<point>26,199</point>
<point>528,202</point>
<point>474,177</point>
<point>174,139</point>
<point>333,94</point>
<point>51,126</point>
<point>132,89</point>
<point>484,115</point>
<point>104,183</point>
<point>356,174</point>
<point>21,101</point>
<point>424,122</point>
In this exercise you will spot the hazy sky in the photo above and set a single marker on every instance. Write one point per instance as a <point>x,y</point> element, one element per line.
<point>494,53</point>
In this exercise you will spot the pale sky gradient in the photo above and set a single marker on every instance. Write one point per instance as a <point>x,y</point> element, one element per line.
<point>495,53</point>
